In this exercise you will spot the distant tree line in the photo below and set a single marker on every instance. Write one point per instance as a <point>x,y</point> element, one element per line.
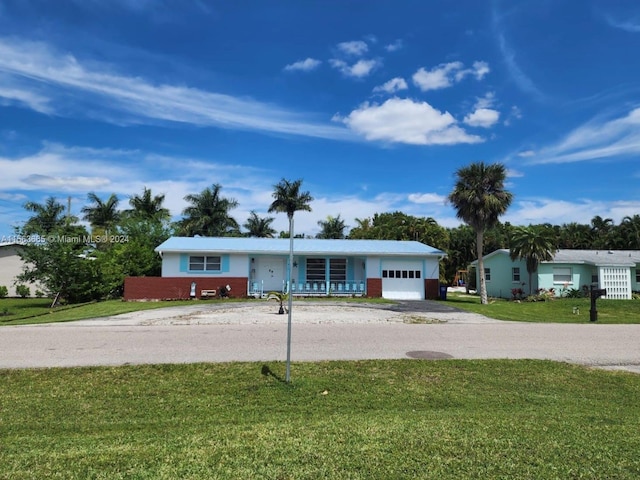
<point>121,242</point>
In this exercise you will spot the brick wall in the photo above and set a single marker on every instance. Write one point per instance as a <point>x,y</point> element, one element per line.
<point>431,289</point>
<point>374,287</point>
<point>174,288</point>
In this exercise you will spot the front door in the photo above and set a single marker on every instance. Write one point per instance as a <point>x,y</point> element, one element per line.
<point>271,272</point>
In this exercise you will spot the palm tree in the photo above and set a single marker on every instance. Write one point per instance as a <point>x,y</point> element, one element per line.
<point>102,215</point>
<point>601,229</point>
<point>288,198</point>
<point>148,206</point>
<point>332,227</point>
<point>534,244</point>
<point>259,226</point>
<point>48,217</point>
<point>479,198</point>
<point>208,214</point>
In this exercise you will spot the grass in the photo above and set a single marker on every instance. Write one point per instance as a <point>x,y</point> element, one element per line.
<point>559,310</point>
<point>23,311</point>
<point>400,419</point>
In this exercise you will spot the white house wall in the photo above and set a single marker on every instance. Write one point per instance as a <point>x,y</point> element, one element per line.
<point>177,265</point>
<point>10,268</point>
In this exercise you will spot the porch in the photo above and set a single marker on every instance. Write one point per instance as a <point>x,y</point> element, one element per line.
<point>312,289</point>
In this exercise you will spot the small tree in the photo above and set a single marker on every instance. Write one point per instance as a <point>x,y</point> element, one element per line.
<point>4,291</point>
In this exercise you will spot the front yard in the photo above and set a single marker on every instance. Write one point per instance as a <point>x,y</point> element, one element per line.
<point>559,310</point>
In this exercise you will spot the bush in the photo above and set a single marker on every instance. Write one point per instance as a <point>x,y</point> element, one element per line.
<point>542,295</point>
<point>4,291</point>
<point>23,291</point>
<point>39,293</point>
<point>572,293</point>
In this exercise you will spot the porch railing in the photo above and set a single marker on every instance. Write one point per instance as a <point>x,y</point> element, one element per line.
<point>256,289</point>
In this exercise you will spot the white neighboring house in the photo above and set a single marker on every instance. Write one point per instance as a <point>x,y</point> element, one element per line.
<point>253,266</point>
<point>10,267</point>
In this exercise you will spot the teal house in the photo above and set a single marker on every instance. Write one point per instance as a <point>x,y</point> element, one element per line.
<point>617,271</point>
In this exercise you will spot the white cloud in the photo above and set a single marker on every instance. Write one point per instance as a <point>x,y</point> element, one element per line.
<point>305,65</point>
<point>66,183</point>
<point>392,86</point>
<point>406,121</point>
<point>32,100</point>
<point>511,173</point>
<point>557,212</point>
<point>482,117</point>
<point>355,48</point>
<point>479,70</point>
<point>526,153</point>
<point>427,198</point>
<point>629,25</point>
<point>438,77</point>
<point>447,74</point>
<point>394,46</point>
<point>99,92</point>
<point>596,139</point>
<point>360,69</point>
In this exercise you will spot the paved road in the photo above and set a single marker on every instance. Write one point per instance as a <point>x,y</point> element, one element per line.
<point>73,344</point>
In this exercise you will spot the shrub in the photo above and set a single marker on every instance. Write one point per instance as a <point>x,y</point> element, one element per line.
<point>517,294</point>
<point>23,291</point>
<point>39,293</point>
<point>542,295</point>
<point>4,291</point>
<point>573,293</point>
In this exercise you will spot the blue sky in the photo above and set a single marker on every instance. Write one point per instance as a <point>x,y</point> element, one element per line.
<point>374,104</point>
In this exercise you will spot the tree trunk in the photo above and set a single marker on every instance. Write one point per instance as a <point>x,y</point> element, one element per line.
<point>483,285</point>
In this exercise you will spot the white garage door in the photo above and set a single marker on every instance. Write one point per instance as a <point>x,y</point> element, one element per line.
<point>402,280</point>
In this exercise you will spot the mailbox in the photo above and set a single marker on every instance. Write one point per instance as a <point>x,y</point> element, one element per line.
<point>595,294</point>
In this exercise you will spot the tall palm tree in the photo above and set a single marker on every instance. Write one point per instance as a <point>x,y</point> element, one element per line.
<point>208,214</point>
<point>48,217</point>
<point>289,199</point>
<point>148,206</point>
<point>102,215</point>
<point>260,227</point>
<point>479,198</point>
<point>534,244</point>
<point>332,227</point>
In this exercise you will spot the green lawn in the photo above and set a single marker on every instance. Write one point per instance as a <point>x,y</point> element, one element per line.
<point>559,310</point>
<point>401,419</point>
<point>20,311</point>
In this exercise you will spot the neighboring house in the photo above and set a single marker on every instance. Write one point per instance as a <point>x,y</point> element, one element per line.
<point>618,271</point>
<point>195,266</point>
<point>10,266</point>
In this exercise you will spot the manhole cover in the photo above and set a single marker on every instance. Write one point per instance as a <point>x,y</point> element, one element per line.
<point>427,355</point>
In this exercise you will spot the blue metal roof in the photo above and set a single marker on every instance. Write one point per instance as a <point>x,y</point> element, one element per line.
<point>307,246</point>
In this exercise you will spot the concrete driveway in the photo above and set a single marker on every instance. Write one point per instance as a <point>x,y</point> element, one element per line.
<point>321,331</point>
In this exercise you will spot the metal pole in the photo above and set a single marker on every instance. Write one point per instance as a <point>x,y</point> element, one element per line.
<point>290,303</point>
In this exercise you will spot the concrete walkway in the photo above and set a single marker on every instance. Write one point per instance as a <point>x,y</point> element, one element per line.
<point>255,332</point>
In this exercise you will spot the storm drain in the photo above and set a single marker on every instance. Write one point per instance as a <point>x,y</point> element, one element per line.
<point>428,355</point>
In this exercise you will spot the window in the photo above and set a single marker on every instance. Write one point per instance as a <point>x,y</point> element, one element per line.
<point>515,274</point>
<point>562,275</point>
<point>637,274</point>
<point>316,271</point>
<point>338,269</point>
<point>202,263</point>
<point>400,273</point>
<point>487,274</point>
